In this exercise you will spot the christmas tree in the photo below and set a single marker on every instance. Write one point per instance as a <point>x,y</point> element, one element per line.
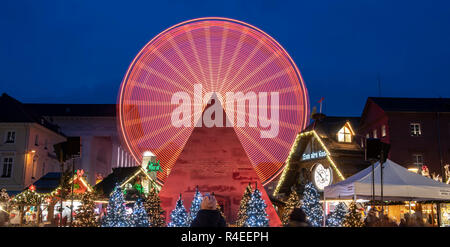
<point>179,216</point>
<point>337,216</point>
<point>152,205</point>
<point>116,215</point>
<point>139,217</point>
<point>311,205</point>
<point>242,213</point>
<point>292,202</point>
<point>353,218</point>
<point>256,211</point>
<point>195,205</point>
<point>86,216</point>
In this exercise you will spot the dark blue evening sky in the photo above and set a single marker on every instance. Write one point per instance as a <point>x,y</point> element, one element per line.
<point>78,51</point>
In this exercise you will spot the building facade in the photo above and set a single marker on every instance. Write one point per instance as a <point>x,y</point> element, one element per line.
<point>26,149</point>
<point>324,153</point>
<point>418,130</point>
<point>95,124</point>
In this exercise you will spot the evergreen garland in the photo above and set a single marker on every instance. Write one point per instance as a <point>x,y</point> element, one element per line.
<point>152,204</point>
<point>116,215</point>
<point>242,213</point>
<point>256,211</point>
<point>336,218</point>
<point>139,217</point>
<point>179,216</point>
<point>311,205</point>
<point>195,205</point>
<point>85,214</point>
<point>353,218</point>
<point>292,202</point>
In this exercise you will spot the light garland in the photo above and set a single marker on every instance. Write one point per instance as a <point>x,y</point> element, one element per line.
<point>294,147</point>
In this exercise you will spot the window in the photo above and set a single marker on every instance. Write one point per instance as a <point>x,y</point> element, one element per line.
<point>45,144</point>
<point>383,130</point>
<point>36,140</point>
<point>375,134</point>
<point>344,135</point>
<point>418,160</point>
<point>10,137</point>
<point>7,167</point>
<point>362,141</point>
<point>367,136</point>
<point>415,129</point>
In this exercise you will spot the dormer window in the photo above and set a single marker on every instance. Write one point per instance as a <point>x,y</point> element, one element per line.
<point>344,135</point>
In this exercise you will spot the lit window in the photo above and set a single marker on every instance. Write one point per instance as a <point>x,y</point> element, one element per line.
<point>375,134</point>
<point>383,130</point>
<point>344,135</point>
<point>418,160</point>
<point>7,167</point>
<point>362,141</point>
<point>415,129</point>
<point>10,137</point>
<point>367,135</point>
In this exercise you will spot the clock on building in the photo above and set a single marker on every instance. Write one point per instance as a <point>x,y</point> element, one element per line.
<point>322,176</point>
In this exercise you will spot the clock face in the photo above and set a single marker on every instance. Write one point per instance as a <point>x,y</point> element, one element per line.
<point>322,176</point>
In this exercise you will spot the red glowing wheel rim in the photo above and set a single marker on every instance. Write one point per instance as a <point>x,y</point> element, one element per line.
<point>223,55</point>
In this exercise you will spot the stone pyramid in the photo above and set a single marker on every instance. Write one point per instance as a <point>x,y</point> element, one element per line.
<point>214,160</point>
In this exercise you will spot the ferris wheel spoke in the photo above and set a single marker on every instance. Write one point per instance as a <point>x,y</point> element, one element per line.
<point>222,49</point>
<point>232,60</point>
<point>208,51</point>
<point>151,88</point>
<point>141,120</point>
<point>244,64</point>
<point>174,68</point>
<point>257,145</point>
<point>256,70</point>
<point>185,62</point>
<point>163,77</point>
<point>264,81</point>
<point>156,132</point>
<point>194,50</point>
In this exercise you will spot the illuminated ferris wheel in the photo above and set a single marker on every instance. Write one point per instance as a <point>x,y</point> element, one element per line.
<point>223,55</point>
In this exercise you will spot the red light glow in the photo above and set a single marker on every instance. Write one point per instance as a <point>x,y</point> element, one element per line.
<point>223,55</point>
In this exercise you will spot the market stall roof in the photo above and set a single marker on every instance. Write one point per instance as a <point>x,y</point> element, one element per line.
<point>398,184</point>
<point>119,175</point>
<point>48,183</point>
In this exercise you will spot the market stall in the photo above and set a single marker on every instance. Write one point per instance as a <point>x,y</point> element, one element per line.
<point>399,184</point>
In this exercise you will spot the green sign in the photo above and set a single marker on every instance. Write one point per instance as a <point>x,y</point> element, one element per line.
<point>153,167</point>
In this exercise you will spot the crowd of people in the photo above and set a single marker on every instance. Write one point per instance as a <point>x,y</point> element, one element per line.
<point>409,220</point>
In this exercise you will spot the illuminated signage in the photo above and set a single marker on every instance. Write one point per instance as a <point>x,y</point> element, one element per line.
<point>153,166</point>
<point>314,155</point>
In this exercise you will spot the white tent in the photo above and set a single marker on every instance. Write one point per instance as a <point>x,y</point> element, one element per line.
<point>399,184</point>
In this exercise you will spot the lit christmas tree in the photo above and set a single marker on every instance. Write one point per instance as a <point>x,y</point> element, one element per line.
<point>152,205</point>
<point>242,213</point>
<point>311,205</point>
<point>292,202</point>
<point>195,205</point>
<point>256,211</point>
<point>139,217</point>
<point>337,216</point>
<point>179,216</point>
<point>86,216</point>
<point>116,215</point>
<point>353,218</point>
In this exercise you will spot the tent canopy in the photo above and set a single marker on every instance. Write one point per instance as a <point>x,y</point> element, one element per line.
<point>399,184</point>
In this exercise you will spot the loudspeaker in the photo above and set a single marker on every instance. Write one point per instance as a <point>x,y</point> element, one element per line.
<point>73,146</point>
<point>374,149</point>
